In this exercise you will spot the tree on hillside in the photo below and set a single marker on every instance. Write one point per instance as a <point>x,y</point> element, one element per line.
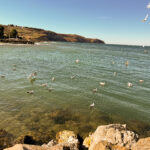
<point>1,32</point>
<point>14,33</point>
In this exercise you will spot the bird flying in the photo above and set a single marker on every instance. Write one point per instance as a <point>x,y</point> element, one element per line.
<point>146,18</point>
<point>148,6</point>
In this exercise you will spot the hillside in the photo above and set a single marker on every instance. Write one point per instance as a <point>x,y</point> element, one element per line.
<point>38,35</point>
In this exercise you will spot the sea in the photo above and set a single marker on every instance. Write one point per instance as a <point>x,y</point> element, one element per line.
<point>68,81</point>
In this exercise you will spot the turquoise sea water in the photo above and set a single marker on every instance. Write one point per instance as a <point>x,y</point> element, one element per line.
<point>67,105</point>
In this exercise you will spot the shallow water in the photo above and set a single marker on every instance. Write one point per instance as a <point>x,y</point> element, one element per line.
<point>67,106</point>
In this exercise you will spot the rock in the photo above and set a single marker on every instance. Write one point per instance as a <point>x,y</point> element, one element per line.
<point>107,146</point>
<point>87,142</point>
<point>33,147</point>
<point>115,134</point>
<point>68,139</point>
<point>142,144</point>
<point>50,144</point>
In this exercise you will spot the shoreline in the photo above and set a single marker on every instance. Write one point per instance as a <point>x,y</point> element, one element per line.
<point>15,41</point>
<point>112,136</point>
<point>40,132</point>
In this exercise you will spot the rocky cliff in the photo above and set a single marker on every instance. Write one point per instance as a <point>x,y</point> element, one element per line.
<point>38,35</point>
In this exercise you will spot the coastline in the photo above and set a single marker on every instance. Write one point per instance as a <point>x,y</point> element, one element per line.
<point>42,132</point>
<point>111,136</point>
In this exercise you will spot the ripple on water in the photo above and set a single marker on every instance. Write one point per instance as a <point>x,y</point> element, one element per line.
<point>67,106</point>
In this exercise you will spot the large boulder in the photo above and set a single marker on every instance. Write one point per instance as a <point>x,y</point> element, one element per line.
<point>116,134</point>
<point>142,144</point>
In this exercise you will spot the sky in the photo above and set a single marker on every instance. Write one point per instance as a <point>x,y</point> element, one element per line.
<point>114,21</point>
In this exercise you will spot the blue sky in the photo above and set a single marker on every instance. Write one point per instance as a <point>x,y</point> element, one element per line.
<point>114,21</point>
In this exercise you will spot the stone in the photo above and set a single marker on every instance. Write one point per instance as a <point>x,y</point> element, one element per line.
<point>103,145</point>
<point>116,134</point>
<point>87,142</point>
<point>68,139</point>
<point>33,147</point>
<point>50,144</point>
<point>142,144</point>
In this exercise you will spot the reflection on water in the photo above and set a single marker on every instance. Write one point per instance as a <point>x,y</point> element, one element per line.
<point>64,102</point>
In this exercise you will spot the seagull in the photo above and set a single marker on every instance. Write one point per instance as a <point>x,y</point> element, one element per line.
<point>14,69</point>
<point>130,84</point>
<point>72,77</point>
<point>102,83</point>
<point>148,6</point>
<point>92,105</point>
<point>53,78</point>
<point>30,92</point>
<point>145,51</point>
<point>34,74</point>
<point>32,77</point>
<point>94,90</point>
<point>141,81</point>
<point>44,85</point>
<point>126,63</point>
<point>77,60</point>
<point>2,76</point>
<point>115,73</point>
<point>146,18</point>
<point>50,89</point>
<point>14,65</point>
<point>113,62</point>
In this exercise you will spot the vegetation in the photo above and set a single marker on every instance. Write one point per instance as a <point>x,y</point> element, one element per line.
<point>1,32</point>
<point>14,33</point>
<point>38,35</point>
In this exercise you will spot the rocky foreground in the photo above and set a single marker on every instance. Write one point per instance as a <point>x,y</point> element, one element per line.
<point>107,137</point>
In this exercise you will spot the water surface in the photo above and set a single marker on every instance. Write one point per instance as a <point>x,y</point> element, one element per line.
<point>67,106</point>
